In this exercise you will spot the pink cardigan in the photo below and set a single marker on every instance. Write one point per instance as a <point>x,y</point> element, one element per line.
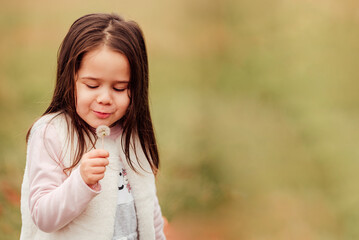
<point>51,205</point>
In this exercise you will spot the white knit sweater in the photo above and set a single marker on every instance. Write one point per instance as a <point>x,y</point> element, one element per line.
<point>97,221</point>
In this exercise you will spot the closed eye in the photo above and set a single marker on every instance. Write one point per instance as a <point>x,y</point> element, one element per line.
<point>119,89</point>
<point>91,86</point>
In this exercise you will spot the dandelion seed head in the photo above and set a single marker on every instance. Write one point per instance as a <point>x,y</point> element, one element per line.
<point>102,131</point>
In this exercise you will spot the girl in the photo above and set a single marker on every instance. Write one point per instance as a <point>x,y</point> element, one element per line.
<point>73,189</point>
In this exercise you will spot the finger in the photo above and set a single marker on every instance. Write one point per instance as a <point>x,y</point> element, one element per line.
<point>98,153</point>
<point>97,177</point>
<point>94,178</point>
<point>99,162</point>
<point>98,170</point>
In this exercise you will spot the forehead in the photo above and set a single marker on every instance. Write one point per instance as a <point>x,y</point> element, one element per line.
<point>104,63</point>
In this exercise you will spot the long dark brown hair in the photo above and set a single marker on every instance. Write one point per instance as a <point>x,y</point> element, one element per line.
<point>86,34</point>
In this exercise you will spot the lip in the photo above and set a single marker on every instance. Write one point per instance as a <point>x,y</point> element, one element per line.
<point>102,115</point>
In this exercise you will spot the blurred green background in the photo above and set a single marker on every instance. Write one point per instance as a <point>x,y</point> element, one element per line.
<point>254,103</point>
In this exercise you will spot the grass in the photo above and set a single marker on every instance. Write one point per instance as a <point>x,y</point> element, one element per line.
<point>254,105</point>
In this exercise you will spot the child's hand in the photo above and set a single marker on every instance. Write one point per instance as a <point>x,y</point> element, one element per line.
<point>93,166</point>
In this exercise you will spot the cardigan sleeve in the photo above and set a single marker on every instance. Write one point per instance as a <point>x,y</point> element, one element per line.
<point>55,198</point>
<point>158,221</point>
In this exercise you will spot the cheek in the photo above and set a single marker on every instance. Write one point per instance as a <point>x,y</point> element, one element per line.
<point>123,102</point>
<point>78,95</point>
<point>126,102</point>
<point>83,100</point>
<point>127,97</point>
<point>77,99</point>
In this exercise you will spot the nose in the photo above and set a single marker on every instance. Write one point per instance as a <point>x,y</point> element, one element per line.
<point>104,97</point>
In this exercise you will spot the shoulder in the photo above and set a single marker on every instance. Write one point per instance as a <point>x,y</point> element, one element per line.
<point>52,121</point>
<point>50,132</point>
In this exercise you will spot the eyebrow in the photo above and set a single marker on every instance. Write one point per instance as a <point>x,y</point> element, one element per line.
<point>99,79</point>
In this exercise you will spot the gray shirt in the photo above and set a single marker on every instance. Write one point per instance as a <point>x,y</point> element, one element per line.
<point>126,221</point>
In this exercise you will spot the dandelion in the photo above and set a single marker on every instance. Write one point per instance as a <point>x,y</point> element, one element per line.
<point>101,132</point>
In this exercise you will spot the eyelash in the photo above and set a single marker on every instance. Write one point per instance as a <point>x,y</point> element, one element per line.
<point>119,89</point>
<point>116,89</point>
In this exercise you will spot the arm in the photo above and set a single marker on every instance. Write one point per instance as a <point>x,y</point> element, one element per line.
<point>55,198</point>
<point>158,221</point>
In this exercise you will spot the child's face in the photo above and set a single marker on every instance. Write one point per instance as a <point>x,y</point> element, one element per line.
<point>102,87</point>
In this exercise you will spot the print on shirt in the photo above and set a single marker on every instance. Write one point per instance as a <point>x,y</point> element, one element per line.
<point>124,196</point>
<point>120,186</point>
<point>125,180</point>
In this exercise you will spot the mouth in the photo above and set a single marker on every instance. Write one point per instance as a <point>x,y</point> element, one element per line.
<point>102,115</point>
